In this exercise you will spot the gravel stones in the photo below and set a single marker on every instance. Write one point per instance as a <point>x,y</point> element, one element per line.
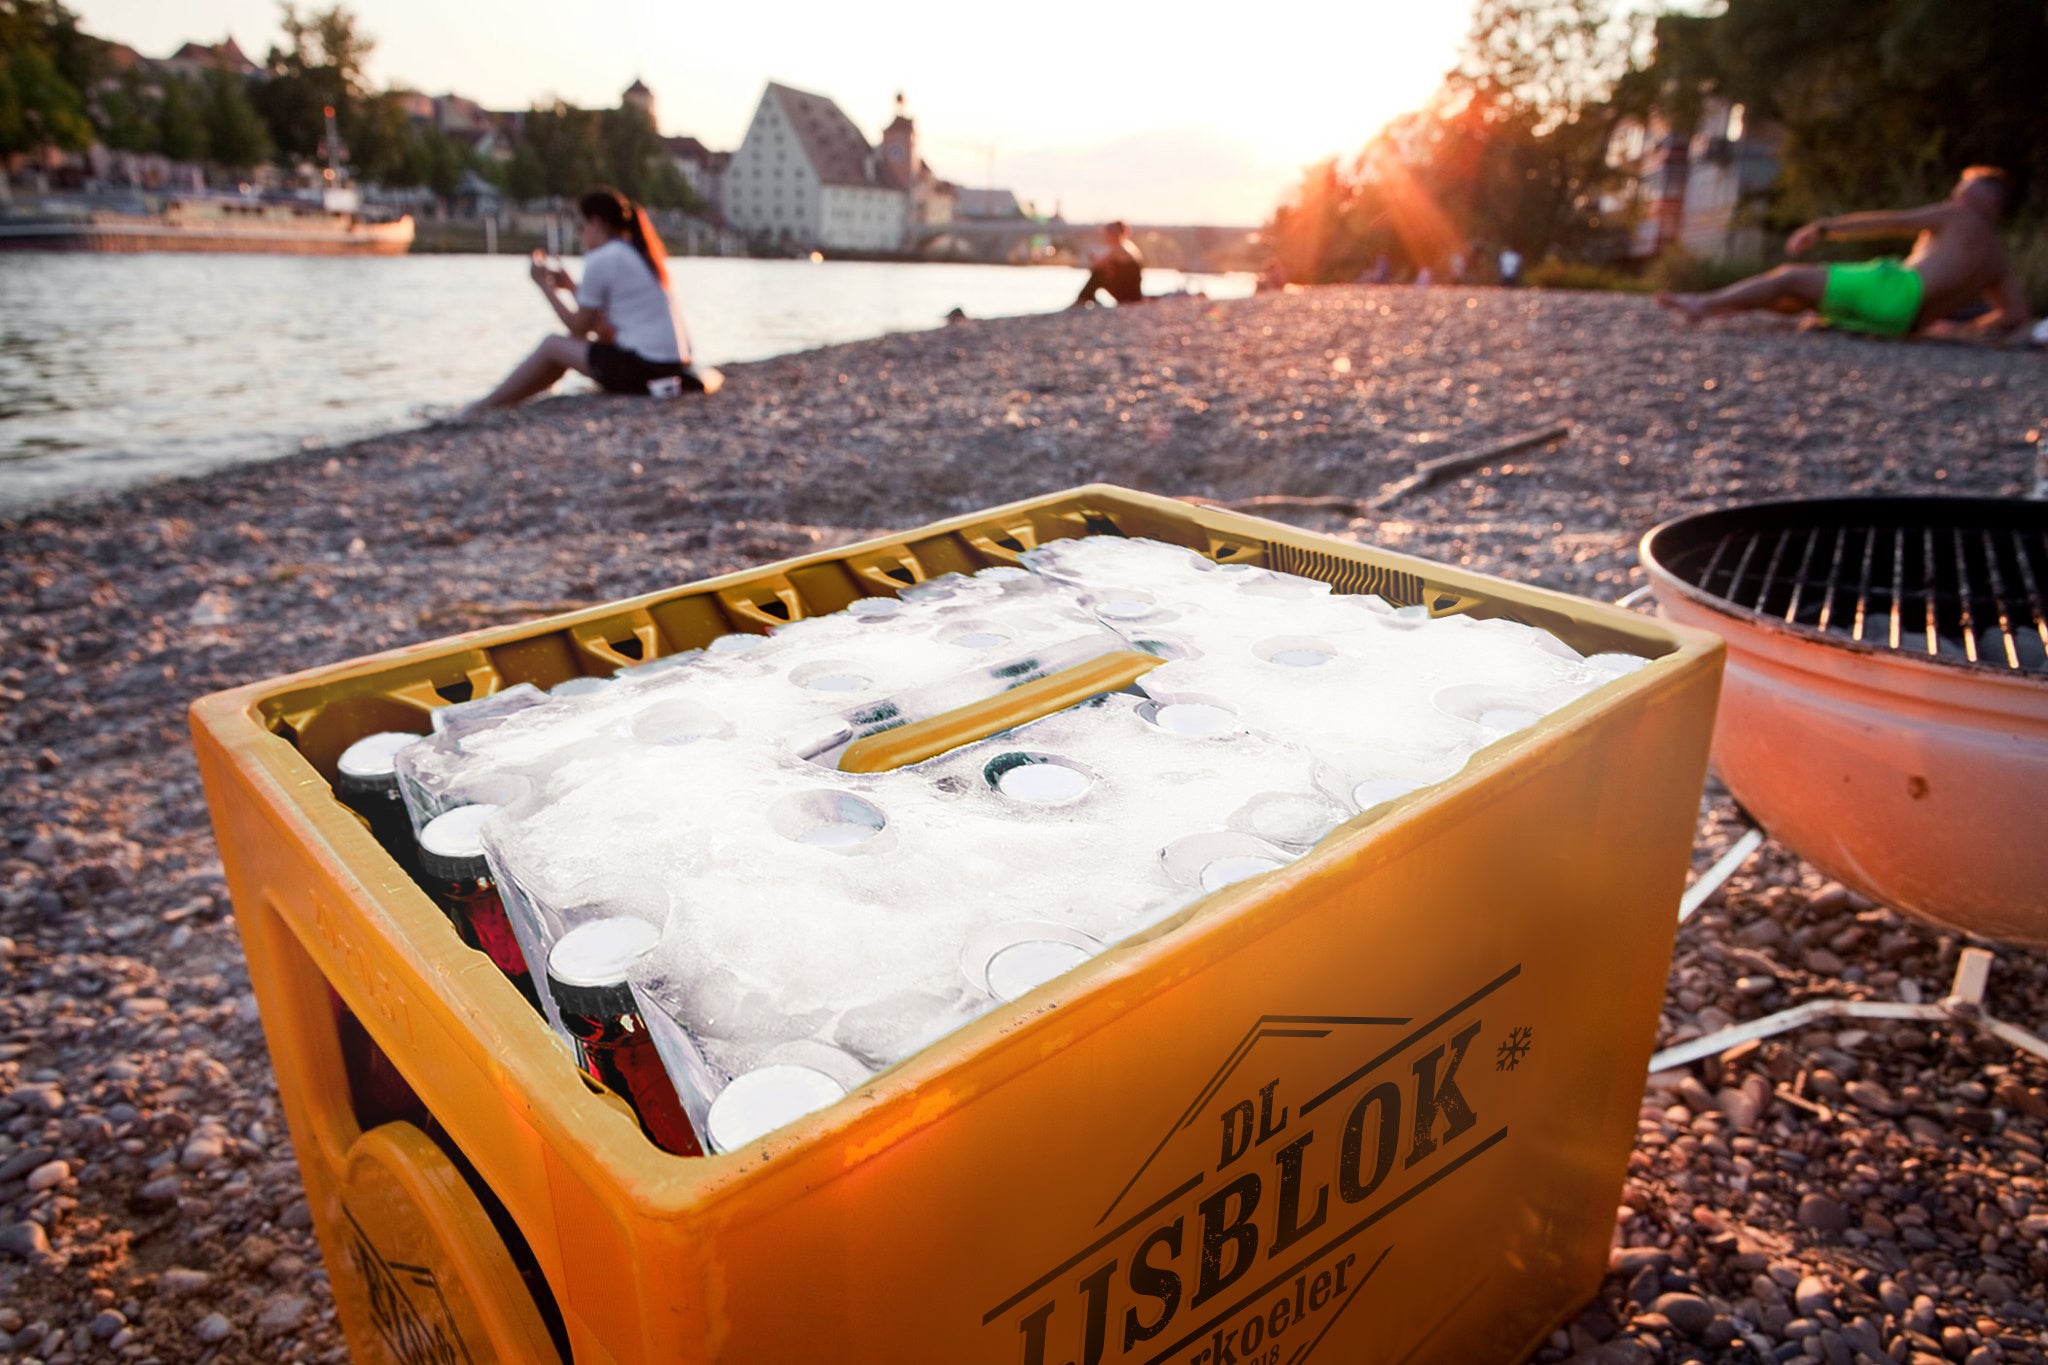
<point>1874,1097</point>
<point>206,1148</point>
<point>179,1281</point>
<point>129,1043</point>
<point>23,1240</point>
<point>282,1313</point>
<point>1812,1296</point>
<point>45,1100</point>
<point>1822,1214</point>
<point>1689,1313</point>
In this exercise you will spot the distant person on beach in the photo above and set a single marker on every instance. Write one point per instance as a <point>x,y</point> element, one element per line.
<point>1510,268</point>
<point>1956,261</point>
<point>624,328</point>
<point>1116,268</point>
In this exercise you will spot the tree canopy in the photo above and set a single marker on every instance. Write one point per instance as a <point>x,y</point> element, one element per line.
<point>1875,102</point>
<point>1511,151</point>
<point>59,89</point>
<point>42,59</point>
<point>1881,101</point>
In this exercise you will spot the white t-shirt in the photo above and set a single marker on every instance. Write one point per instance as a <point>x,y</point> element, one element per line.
<point>617,278</point>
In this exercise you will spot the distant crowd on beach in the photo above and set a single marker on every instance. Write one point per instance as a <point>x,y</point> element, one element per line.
<point>623,324</point>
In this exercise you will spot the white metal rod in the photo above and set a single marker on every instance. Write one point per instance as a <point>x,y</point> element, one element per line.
<point>2012,1033</point>
<point>1710,881</point>
<point>1784,1021</point>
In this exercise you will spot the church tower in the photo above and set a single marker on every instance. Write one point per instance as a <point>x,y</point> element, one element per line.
<point>899,149</point>
<point>638,96</point>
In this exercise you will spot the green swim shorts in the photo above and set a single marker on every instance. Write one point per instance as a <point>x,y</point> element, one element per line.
<point>1881,297</point>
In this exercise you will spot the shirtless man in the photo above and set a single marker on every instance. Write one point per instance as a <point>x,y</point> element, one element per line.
<point>1957,259</point>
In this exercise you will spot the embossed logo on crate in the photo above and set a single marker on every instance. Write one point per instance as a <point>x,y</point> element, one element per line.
<point>406,1306</point>
<point>1254,1256</point>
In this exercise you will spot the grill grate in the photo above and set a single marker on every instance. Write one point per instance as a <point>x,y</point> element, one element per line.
<point>1966,593</point>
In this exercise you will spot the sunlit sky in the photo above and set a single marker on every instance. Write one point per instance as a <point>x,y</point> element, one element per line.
<point>1197,112</point>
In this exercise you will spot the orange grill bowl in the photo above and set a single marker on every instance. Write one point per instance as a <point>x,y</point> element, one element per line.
<point>1918,782</point>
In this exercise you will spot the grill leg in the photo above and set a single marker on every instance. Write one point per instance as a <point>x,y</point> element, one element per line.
<point>1964,1005</point>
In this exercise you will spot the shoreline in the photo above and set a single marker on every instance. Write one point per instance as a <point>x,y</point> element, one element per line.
<point>130,1052</point>
<point>128,419</point>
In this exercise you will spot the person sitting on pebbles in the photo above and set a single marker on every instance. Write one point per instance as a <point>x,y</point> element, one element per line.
<point>624,328</point>
<point>1117,269</point>
<point>1956,261</point>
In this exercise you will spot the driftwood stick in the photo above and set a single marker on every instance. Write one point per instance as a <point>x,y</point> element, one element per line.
<point>1444,466</point>
<point>1426,473</point>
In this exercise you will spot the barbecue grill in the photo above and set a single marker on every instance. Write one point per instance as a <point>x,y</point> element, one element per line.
<point>1885,707</point>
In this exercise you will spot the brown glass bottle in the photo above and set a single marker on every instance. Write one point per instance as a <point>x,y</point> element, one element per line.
<point>587,976</point>
<point>455,873</point>
<point>366,780</point>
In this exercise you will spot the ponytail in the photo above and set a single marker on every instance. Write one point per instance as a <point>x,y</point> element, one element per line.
<point>641,229</point>
<point>627,219</point>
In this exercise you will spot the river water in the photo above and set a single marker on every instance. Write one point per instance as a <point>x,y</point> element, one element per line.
<point>115,368</point>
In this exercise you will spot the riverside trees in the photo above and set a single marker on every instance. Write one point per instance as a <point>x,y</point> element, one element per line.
<point>1880,102</point>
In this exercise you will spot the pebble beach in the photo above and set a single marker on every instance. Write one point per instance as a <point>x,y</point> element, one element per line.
<point>1837,1194</point>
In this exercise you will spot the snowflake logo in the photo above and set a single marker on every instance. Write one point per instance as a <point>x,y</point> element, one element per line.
<point>1510,1054</point>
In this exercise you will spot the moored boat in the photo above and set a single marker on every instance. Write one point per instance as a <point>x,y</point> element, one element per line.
<point>333,226</point>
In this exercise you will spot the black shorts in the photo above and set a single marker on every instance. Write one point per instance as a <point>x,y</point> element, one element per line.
<point>622,371</point>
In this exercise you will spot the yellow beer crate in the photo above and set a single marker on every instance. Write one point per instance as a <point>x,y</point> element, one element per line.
<point>1374,1106</point>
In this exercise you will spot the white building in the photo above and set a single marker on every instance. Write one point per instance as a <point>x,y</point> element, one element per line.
<point>1697,190</point>
<point>701,168</point>
<point>806,177</point>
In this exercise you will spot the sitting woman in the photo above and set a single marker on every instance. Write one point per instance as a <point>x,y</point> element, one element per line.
<point>625,330</point>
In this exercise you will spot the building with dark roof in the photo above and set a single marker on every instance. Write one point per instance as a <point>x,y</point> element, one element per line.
<point>805,176</point>
<point>194,60</point>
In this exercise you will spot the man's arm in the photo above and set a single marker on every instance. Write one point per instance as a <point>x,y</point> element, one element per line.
<point>1875,223</point>
<point>2008,310</point>
<point>2008,307</point>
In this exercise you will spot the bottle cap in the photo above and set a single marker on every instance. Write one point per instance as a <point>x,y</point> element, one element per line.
<point>370,764</point>
<point>1011,959</point>
<point>587,966</point>
<point>767,1098</point>
<point>451,845</point>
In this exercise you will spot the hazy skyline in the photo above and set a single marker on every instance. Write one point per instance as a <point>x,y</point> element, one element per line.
<point>1202,113</point>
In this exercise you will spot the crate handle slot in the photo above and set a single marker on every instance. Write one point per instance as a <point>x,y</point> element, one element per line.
<point>890,570</point>
<point>767,606</point>
<point>637,641</point>
<point>1004,544</point>
<point>1444,602</point>
<point>923,739</point>
<point>427,696</point>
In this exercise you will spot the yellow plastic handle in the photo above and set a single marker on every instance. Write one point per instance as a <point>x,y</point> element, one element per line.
<point>923,739</point>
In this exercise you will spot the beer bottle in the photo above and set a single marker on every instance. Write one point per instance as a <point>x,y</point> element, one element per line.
<point>457,877</point>
<point>587,975</point>
<point>366,781</point>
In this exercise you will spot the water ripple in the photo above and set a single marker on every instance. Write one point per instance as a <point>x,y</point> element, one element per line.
<point>119,368</point>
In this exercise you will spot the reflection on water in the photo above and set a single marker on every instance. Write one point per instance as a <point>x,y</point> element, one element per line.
<point>119,368</point>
